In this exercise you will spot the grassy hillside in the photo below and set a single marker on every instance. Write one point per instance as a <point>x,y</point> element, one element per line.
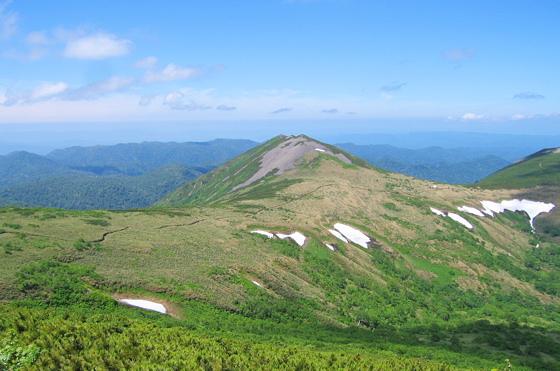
<point>541,168</point>
<point>536,177</point>
<point>426,290</point>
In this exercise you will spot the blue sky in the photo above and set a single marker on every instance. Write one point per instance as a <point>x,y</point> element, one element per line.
<point>202,69</point>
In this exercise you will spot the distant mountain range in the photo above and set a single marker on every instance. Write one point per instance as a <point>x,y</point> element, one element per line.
<point>124,175</point>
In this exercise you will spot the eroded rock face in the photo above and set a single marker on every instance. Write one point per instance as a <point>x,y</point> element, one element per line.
<point>284,156</point>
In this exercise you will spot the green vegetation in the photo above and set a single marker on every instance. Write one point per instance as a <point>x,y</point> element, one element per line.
<point>541,168</point>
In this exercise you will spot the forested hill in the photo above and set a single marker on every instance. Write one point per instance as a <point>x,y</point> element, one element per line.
<point>113,177</point>
<point>140,157</point>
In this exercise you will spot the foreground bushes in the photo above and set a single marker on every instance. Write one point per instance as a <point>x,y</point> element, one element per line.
<point>114,342</point>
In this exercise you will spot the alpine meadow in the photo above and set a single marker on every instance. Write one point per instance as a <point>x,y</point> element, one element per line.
<point>294,255</point>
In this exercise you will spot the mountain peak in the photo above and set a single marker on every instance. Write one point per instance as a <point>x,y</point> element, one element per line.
<point>283,157</point>
<point>273,158</point>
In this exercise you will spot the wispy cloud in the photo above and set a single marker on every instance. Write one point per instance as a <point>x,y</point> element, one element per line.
<point>332,110</point>
<point>281,110</point>
<point>96,89</point>
<point>223,107</point>
<point>146,63</point>
<point>42,92</point>
<point>528,95</point>
<point>178,101</point>
<point>457,55</point>
<point>393,87</point>
<point>8,21</point>
<point>472,116</point>
<point>47,90</point>
<point>171,72</point>
<point>100,45</point>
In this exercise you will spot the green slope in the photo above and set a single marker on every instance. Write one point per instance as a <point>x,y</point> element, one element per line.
<point>541,168</point>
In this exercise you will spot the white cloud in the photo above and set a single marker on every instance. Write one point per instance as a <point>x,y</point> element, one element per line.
<point>98,46</point>
<point>8,21</point>
<point>146,63</point>
<point>472,116</point>
<point>179,101</point>
<point>518,116</point>
<point>37,38</point>
<point>171,72</point>
<point>47,90</point>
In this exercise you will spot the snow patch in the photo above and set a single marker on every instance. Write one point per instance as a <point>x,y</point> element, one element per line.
<point>256,283</point>
<point>460,219</point>
<point>145,304</point>
<point>436,211</point>
<point>471,210</point>
<point>338,235</point>
<point>264,233</point>
<point>532,208</point>
<point>353,234</point>
<point>320,150</point>
<point>456,217</point>
<point>296,236</point>
<point>330,246</point>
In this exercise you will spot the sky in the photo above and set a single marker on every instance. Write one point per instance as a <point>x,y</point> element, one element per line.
<point>128,71</point>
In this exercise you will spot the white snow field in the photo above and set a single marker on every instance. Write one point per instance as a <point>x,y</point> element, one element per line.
<point>460,219</point>
<point>264,233</point>
<point>296,236</point>
<point>145,304</point>
<point>471,210</point>
<point>456,217</point>
<point>532,208</point>
<point>330,246</point>
<point>338,235</point>
<point>353,234</point>
<point>436,211</point>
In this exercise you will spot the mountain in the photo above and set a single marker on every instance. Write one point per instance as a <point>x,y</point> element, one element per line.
<point>298,249</point>
<point>136,158</point>
<point>275,157</point>
<point>22,167</point>
<point>452,173</point>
